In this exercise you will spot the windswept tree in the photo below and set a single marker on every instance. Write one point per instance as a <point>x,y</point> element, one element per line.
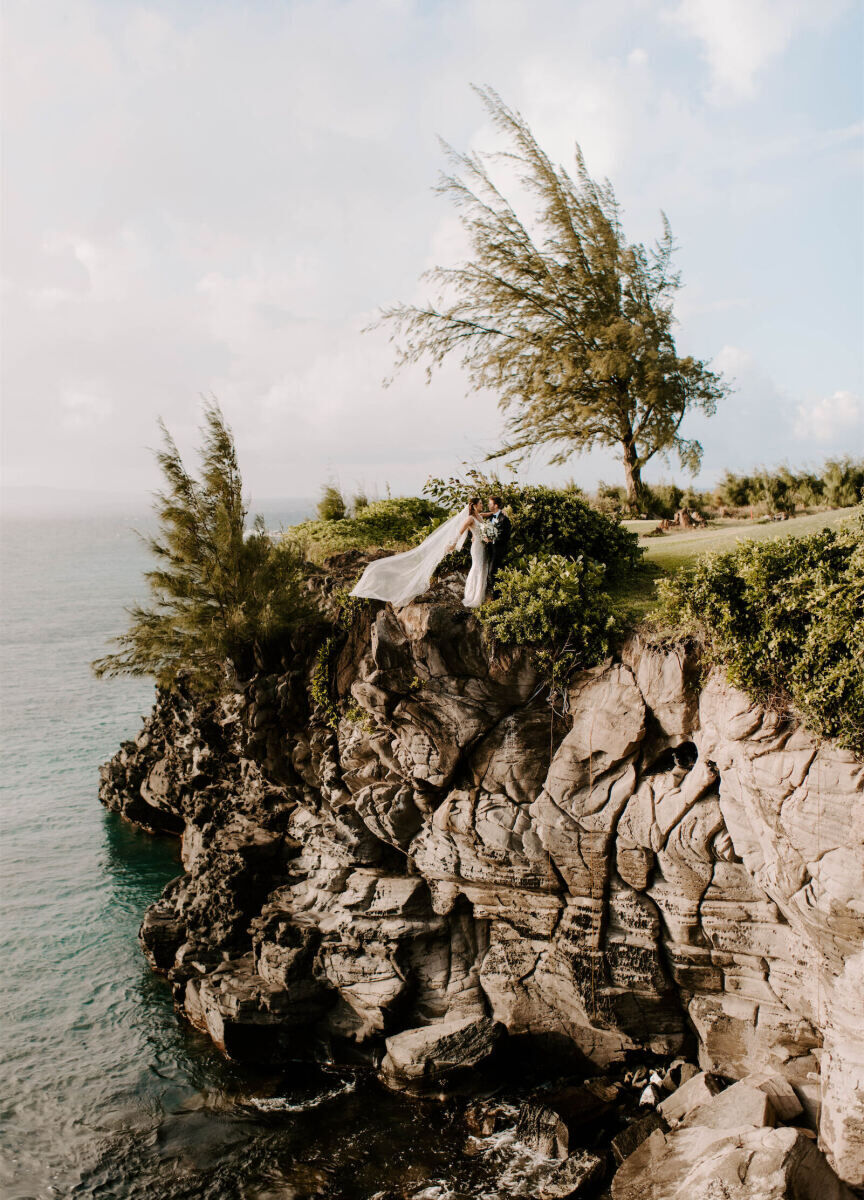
<point>220,593</point>
<point>571,324</point>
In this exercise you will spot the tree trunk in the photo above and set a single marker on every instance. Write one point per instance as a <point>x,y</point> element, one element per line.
<point>633,478</point>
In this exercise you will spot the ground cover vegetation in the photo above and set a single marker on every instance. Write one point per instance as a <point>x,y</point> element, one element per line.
<point>783,615</point>
<point>554,592</point>
<point>763,492</point>
<point>570,324</point>
<point>393,524</point>
<point>785,619</point>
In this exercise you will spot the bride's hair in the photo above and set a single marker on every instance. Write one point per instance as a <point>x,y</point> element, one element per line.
<point>472,503</point>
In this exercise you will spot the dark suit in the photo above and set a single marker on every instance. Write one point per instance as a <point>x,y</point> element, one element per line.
<point>501,544</point>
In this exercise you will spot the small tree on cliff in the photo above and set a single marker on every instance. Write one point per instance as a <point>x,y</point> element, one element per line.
<point>219,593</point>
<point>572,328</point>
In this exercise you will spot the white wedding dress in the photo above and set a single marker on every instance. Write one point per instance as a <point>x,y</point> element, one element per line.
<point>475,584</point>
<point>400,577</point>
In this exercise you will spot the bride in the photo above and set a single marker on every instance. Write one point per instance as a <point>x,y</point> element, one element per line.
<point>400,577</point>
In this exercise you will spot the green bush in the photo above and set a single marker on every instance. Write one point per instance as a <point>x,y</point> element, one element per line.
<point>331,506</point>
<point>548,521</point>
<point>662,499</point>
<point>786,620</point>
<point>385,524</point>
<point>839,485</point>
<point>553,602</point>
<point>843,481</point>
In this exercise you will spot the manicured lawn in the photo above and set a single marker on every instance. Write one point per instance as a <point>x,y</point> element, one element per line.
<point>676,551</point>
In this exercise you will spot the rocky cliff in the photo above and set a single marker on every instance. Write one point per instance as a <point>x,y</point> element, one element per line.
<point>436,857</point>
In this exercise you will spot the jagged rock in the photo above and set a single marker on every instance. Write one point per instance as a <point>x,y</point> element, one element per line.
<point>668,862</point>
<point>780,1092</point>
<point>542,1128</point>
<point>427,1055</point>
<point>574,1175</point>
<point>738,1105</point>
<point>736,1164</point>
<point>624,1143</point>
<point>698,1090</point>
<point>558,1119</point>
<point>250,1019</point>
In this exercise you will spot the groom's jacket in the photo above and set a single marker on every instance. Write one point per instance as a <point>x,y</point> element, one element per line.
<point>501,526</point>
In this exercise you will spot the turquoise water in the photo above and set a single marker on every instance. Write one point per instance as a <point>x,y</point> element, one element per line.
<point>103,1092</point>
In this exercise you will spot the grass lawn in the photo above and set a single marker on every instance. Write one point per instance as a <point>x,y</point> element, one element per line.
<point>677,551</point>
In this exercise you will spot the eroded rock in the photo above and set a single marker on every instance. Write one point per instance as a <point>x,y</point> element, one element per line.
<point>429,1054</point>
<point>667,862</point>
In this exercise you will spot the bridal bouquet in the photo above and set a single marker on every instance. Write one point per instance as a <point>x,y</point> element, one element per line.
<point>489,532</point>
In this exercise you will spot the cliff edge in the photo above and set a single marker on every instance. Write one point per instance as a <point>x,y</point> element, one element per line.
<point>399,846</point>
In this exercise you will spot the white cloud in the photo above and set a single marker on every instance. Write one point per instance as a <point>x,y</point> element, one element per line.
<point>741,37</point>
<point>831,417</point>
<point>217,198</point>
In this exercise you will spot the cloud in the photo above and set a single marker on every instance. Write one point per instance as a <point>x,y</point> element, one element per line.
<point>741,37</point>
<point>830,418</point>
<point>217,198</point>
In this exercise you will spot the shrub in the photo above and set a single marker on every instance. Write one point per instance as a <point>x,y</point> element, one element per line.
<point>331,506</point>
<point>662,499</point>
<point>553,602</point>
<point>843,481</point>
<point>735,490</point>
<point>610,498</point>
<point>549,521</point>
<point>839,485</point>
<point>385,524</point>
<point>786,620</point>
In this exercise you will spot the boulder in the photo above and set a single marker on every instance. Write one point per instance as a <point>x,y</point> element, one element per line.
<point>560,1118</point>
<point>697,1090</point>
<point>780,1092</point>
<point>574,1175</point>
<point>541,1128</point>
<point>428,1054</point>
<point>739,1105</point>
<point>733,1164</point>
<point>624,1143</point>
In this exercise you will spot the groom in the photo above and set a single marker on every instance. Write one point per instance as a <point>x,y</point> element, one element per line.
<point>500,523</point>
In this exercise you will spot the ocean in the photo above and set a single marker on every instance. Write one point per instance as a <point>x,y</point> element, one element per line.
<point>103,1091</point>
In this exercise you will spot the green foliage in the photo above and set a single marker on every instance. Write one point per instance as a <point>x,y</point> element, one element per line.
<point>319,687</point>
<point>843,481</point>
<point>662,500</point>
<point>219,593</point>
<point>838,485</point>
<point>610,498</point>
<point>548,521</point>
<point>391,524</point>
<point>331,506</point>
<point>359,501</point>
<point>786,620</point>
<point>553,602</point>
<point>574,330</point>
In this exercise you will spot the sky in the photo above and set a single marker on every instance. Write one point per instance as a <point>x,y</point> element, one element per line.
<point>216,198</point>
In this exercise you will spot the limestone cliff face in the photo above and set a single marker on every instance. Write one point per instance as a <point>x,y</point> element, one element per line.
<point>658,861</point>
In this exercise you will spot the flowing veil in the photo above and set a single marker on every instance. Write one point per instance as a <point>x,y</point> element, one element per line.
<point>401,577</point>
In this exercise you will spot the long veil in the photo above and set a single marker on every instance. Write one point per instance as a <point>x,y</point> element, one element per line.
<point>401,577</point>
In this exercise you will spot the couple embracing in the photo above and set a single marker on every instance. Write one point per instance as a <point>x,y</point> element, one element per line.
<point>400,577</point>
